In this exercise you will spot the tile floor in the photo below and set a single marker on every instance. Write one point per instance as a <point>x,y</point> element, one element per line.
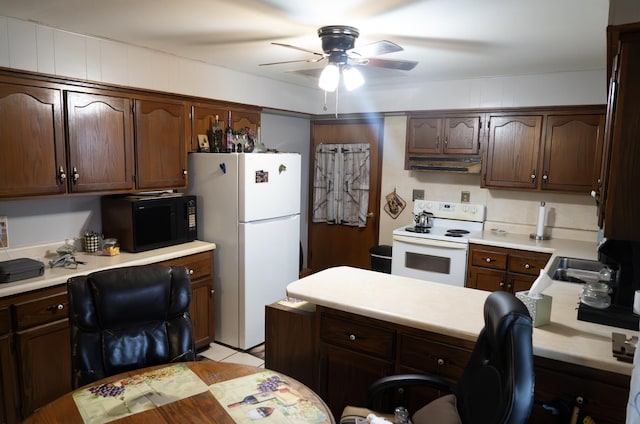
<point>221,353</point>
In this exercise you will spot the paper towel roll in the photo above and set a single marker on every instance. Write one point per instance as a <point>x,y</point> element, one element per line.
<point>542,215</point>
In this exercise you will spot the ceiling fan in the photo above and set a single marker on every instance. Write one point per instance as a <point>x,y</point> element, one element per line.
<point>338,45</point>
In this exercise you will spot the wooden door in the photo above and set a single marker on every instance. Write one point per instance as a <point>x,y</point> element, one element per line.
<point>32,148</point>
<point>572,152</point>
<point>100,141</point>
<point>424,135</point>
<point>335,245</point>
<point>512,152</point>
<point>160,134</point>
<point>462,135</point>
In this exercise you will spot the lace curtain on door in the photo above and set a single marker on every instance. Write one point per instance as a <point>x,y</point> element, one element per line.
<point>341,184</point>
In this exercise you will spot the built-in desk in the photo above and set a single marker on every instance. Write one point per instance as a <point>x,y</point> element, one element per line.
<point>573,358</point>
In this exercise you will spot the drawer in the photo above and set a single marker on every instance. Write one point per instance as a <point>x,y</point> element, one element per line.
<point>489,259</point>
<point>41,310</point>
<point>200,264</point>
<point>526,264</point>
<point>432,357</point>
<point>357,336</point>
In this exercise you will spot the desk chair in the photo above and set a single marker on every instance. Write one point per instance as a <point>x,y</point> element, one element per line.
<point>496,386</point>
<point>128,318</point>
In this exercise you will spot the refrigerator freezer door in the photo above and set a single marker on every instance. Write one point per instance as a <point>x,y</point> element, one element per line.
<point>269,185</point>
<point>269,261</point>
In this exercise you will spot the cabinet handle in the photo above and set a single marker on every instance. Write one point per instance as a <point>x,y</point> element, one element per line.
<point>501,284</point>
<point>488,260</point>
<point>526,266</point>
<point>57,307</point>
<point>533,175</point>
<point>185,172</point>
<point>446,141</point>
<point>62,176</point>
<point>440,362</point>
<point>352,337</point>
<point>189,271</point>
<point>75,175</point>
<point>437,141</point>
<point>212,292</point>
<point>545,177</point>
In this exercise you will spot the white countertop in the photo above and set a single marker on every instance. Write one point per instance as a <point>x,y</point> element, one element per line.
<point>457,311</point>
<point>562,247</point>
<point>93,262</point>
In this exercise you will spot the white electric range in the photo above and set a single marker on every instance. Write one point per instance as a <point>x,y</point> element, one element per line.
<point>438,253</point>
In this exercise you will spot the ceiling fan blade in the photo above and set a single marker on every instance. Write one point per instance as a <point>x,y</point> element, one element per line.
<point>375,49</point>
<point>402,65</point>
<point>298,48</point>
<point>292,61</point>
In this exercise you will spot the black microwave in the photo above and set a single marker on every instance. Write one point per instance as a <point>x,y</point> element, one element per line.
<point>145,222</point>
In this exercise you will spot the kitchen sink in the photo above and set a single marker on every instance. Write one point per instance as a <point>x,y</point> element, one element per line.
<point>575,270</point>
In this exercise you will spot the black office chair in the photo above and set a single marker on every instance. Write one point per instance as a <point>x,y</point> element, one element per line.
<point>496,386</point>
<point>128,318</point>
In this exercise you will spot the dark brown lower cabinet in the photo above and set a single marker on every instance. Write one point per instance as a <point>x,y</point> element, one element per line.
<point>35,349</point>
<point>290,345</point>
<point>355,350</point>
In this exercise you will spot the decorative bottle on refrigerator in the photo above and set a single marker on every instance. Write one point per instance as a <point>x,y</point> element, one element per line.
<point>229,135</point>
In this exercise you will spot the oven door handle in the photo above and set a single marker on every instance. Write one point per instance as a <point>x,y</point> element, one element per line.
<point>431,242</point>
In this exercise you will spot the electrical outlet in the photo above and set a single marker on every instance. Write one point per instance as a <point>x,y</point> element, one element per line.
<point>465,197</point>
<point>418,194</point>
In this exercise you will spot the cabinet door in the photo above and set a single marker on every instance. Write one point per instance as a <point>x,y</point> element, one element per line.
<point>32,149</point>
<point>621,201</point>
<point>487,279</point>
<point>462,135</point>
<point>424,135</point>
<point>8,384</point>
<point>201,311</point>
<point>512,151</point>
<point>161,156</point>
<point>100,138</point>
<point>572,152</point>
<point>44,354</point>
<point>241,118</point>
<point>203,117</point>
<point>345,376</point>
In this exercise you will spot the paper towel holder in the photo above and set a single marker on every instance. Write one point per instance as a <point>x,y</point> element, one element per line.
<point>540,233</point>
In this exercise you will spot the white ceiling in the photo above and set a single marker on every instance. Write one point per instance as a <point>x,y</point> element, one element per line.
<point>451,39</point>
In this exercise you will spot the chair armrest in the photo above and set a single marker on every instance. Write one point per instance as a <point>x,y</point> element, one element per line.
<point>404,380</point>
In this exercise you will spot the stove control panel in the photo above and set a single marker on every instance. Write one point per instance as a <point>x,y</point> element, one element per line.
<point>460,211</point>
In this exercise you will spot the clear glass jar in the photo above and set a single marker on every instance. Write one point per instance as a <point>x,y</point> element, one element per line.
<point>596,295</point>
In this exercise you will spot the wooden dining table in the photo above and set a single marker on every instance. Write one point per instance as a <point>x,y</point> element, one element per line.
<point>222,389</point>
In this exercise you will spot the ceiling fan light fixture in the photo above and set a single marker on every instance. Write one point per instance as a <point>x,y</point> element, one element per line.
<point>353,78</point>
<point>329,78</point>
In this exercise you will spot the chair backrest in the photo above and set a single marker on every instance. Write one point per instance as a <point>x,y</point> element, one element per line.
<point>497,384</point>
<point>128,318</point>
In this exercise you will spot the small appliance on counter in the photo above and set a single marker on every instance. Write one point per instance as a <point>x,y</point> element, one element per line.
<point>144,222</point>
<point>624,258</point>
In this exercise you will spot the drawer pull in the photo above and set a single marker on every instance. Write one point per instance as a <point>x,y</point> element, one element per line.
<point>440,362</point>
<point>526,266</point>
<point>501,283</point>
<point>352,337</point>
<point>488,260</point>
<point>212,291</point>
<point>189,271</point>
<point>57,307</point>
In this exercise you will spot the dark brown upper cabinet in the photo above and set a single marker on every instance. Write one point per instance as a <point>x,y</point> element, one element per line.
<point>32,145</point>
<point>161,128</point>
<point>443,135</point>
<point>100,141</point>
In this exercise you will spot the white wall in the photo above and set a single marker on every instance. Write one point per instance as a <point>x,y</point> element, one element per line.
<point>291,133</point>
<point>28,46</point>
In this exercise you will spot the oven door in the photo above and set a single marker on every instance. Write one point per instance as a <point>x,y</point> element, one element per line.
<point>432,260</point>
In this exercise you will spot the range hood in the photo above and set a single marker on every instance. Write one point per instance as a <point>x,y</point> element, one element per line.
<point>464,164</point>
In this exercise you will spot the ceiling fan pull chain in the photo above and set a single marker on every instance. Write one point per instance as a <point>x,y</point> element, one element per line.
<point>337,90</point>
<point>324,108</point>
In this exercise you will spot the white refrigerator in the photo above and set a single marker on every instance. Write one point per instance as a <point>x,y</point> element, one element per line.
<point>249,206</point>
